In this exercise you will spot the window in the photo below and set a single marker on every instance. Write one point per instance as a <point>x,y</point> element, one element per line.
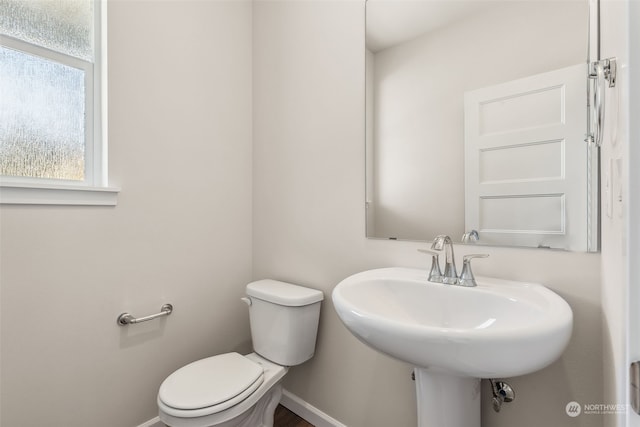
<point>50,98</point>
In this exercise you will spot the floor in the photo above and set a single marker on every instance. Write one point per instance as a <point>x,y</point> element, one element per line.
<point>285,418</point>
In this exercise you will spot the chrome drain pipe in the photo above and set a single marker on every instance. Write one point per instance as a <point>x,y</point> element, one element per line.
<point>502,393</point>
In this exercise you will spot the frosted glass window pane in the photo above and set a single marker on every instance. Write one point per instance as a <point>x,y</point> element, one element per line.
<point>65,26</point>
<point>42,116</point>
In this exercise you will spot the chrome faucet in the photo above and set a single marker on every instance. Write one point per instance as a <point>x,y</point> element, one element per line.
<point>450,275</point>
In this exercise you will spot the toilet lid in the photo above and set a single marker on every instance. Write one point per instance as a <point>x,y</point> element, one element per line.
<point>223,380</point>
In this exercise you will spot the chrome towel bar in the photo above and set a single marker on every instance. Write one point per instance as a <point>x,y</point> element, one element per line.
<point>599,71</point>
<point>127,319</point>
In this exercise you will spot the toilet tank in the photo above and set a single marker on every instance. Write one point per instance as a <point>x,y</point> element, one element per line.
<point>284,320</point>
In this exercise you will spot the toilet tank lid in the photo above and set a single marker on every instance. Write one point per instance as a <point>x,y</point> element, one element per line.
<point>283,293</point>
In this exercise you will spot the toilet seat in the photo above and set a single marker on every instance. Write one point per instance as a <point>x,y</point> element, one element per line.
<point>210,385</point>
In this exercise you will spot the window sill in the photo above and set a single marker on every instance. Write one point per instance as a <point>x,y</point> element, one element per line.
<point>44,194</point>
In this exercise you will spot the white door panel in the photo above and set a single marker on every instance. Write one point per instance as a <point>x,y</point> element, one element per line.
<point>526,161</point>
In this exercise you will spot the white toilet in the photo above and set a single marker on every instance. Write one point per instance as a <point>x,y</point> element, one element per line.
<point>231,390</point>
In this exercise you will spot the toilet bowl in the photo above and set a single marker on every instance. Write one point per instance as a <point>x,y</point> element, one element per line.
<point>234,400</point>
<point>232,390</point>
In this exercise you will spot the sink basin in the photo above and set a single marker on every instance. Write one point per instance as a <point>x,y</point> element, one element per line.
<point>498,329</point>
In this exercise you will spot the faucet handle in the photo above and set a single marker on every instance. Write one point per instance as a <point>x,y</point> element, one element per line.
<point>440,241</point>
<point>466,277</point>
<point>435,275</point>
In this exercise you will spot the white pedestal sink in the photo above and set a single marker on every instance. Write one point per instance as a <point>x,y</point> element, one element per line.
<point>454,335</point>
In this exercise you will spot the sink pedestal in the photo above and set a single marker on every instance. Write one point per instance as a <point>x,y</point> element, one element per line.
<point>447,400</point>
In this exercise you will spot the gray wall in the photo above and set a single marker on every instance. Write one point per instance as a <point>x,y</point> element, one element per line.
<point>309,228</point>
<point>180,148</point>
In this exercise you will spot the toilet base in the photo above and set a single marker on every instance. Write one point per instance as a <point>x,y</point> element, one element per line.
<point>260,415</point>
<point>263,411</point>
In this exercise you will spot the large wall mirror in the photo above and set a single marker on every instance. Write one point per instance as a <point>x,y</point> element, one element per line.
<point>476,120</point>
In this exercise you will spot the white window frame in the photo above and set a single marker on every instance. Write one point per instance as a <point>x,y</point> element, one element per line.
<point>94,190</point>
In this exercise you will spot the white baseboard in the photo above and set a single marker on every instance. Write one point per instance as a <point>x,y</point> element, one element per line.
<point>307,411</point>
<point>155,422</point>
<point>290,401</point>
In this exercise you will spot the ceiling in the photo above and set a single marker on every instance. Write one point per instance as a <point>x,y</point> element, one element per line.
<point>390,22</point>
